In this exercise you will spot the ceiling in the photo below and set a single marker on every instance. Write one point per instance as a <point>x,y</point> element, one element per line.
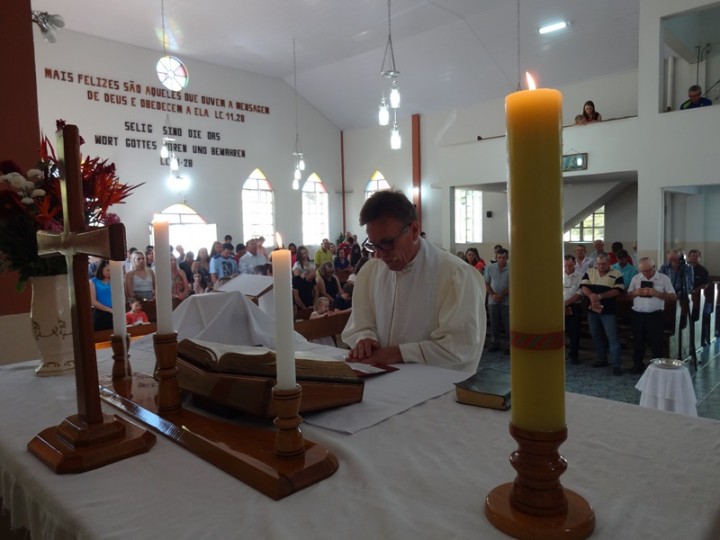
<point>450,53</point>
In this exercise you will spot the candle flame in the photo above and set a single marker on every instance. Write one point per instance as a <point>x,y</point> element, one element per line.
<point>278,240</point>
<point>530,81</point>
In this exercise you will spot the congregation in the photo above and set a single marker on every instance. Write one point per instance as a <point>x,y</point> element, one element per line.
<point>327,277</point>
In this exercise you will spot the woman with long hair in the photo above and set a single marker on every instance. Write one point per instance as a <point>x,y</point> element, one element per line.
<point>303,261</point>
<point>140,281</point>
<point>473,259</point>
<point>590,114</point>
<point>101,297</point>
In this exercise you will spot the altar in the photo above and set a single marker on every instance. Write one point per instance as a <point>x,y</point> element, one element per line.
<point>421,474</point>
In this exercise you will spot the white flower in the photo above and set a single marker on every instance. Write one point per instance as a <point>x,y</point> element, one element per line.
<point>17,181</point>
<point>4,179</point>
<point>27,200</point>
<point>38,193</point>
<point>34,173</point>
<point>29,185</point>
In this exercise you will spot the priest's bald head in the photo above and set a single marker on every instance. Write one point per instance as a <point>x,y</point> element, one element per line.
<point>393,230</point>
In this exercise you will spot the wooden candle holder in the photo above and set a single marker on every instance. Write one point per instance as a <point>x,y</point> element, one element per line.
<point>289,441</point>
<point>121,356</point>
<point>168,394</point>
<point>536,506</point>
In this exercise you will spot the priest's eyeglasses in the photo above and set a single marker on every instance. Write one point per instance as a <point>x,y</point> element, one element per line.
<point>384,245</point>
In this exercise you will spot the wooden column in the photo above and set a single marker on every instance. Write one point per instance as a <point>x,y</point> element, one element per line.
<point>19,109</point>
<point>416,167</point>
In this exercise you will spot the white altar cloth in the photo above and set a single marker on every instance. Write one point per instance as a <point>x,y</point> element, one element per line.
<point>422,474</point>
<point>667,390</point>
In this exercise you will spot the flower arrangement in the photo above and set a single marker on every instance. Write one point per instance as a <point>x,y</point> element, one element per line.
<point>33,202</point>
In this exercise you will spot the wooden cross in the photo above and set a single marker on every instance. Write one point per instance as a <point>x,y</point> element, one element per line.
<point>89,439</point>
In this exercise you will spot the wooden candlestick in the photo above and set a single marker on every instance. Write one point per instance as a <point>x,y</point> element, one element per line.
<point>121,357</point>
<point>168,395</point>
<point>536,506</point>
<point>289,440</point>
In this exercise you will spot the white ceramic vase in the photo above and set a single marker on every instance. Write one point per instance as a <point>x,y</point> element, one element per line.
<point>52,325</point>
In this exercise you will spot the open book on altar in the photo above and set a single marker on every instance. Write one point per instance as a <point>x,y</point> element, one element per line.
<point>241,378</point>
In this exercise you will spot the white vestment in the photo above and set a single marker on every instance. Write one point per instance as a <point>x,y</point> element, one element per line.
<point>434,309</point>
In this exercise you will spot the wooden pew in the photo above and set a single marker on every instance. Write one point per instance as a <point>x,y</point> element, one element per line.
<point>103,336</point>
<point>332,326</point>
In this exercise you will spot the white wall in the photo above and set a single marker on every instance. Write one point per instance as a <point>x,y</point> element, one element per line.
<point>267,139</point>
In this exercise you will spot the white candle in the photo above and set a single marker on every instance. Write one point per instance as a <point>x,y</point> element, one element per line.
<point>117,289</point>
<point>163,287</point>
<point>284,342</point>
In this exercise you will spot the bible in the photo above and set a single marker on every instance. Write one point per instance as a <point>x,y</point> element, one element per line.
<point>488,388</point>
<point>232,378</point>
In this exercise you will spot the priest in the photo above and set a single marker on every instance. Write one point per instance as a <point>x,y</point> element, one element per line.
<point>412,302</point>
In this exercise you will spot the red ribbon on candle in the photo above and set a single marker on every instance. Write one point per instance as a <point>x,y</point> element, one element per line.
<point>538,342</point>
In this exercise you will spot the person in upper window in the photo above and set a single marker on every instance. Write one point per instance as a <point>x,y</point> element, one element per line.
<point>695,99</point>
<point>590,114</point>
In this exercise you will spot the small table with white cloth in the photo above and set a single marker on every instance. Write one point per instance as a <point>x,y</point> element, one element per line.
<point>668,389</point>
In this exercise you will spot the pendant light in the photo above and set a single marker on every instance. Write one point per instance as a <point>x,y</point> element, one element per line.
<point>389,70</point>
<point>297,149</point>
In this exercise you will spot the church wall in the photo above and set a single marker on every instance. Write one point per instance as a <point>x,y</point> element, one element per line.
<point>216,181</point>
<point>675,149</point>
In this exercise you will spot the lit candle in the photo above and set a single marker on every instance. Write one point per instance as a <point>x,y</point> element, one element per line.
<point>284,342</point>
<point>534,144</point>
<point>163,287</point>
<point>117,290</point>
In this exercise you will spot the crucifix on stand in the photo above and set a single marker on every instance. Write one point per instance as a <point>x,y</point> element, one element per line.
<point>89,439</point>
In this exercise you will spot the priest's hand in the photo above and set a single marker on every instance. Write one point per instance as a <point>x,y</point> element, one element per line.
<point>363,350</point>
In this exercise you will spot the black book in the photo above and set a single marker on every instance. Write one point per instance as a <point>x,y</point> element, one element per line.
<point>488,387</point>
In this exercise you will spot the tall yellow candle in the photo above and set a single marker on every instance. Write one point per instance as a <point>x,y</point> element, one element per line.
<point>534,144</point>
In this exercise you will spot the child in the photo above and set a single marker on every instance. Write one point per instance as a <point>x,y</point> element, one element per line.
<point>322,307</point>
<point>136,315</point>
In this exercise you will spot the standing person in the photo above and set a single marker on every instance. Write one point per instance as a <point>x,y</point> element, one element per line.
<point>412,302</point>
<point>181,254</point>
<point>472,257</point>
<point>599,246</point>
<point>293,253</point>
<point>355,253</point>
<point>186,265</point>
<point>625,267</point>
<point>497,284</point>
<point>140,281</point>
<point>101,297</point>
<point>649,290</point>
<point>701,279</point>
<point>590,114</point>
<point>695,99</point>
<point>202,265</point>
<point>681,274</point>
<point>572,300</point>
<point>601,285</point>
<point>582,262</point>
<point>150,257</point>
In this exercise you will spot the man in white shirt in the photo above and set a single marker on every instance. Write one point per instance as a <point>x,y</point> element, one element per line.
<point>649,290</point>
<point>412,302</point>
<point>252,258</point>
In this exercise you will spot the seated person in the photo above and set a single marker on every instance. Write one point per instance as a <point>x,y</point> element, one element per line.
<point>305,289</point>
<point>136,315</point>
<point>695,99</point>
<point>343,300</point>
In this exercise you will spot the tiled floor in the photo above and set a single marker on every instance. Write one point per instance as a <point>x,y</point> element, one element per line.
<point>599,382</point>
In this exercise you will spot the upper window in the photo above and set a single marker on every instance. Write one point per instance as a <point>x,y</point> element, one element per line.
<point>315,211</point>
<point>377,183</point>
<point>588,229</point>
<point>258,207</point>
<point>468,216</point>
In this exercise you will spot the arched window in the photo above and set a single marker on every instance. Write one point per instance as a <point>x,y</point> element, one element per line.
<point>315,212</point>
<point>377,183</point>
<point>187,228</point>
<point>258,207</point>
